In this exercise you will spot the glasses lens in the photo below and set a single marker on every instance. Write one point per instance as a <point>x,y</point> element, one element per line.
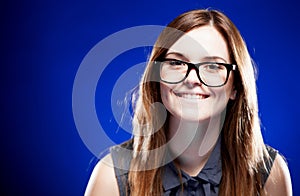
<point>173,71</point>
<point>213,74</point>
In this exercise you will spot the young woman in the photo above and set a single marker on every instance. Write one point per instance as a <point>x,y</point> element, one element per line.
<point>206,139</point>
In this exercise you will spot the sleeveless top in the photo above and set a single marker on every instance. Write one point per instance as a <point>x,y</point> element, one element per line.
<point>205,183</point>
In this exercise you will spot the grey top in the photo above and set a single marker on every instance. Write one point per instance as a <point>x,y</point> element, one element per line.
<point>205,183</point>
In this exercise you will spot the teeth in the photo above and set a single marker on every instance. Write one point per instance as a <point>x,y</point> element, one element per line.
<point>191,96</point>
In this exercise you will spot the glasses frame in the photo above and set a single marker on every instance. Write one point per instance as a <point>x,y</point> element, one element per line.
<point>191,66</point>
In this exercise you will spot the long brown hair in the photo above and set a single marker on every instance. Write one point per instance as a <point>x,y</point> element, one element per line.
<point>242,148</point>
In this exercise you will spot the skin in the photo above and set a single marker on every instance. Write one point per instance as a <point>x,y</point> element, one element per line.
<point>200,118</point>
<point>103,180</point>
<point>279,181</point>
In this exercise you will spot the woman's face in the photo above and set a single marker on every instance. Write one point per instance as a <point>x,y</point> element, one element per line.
<point>190,99</point>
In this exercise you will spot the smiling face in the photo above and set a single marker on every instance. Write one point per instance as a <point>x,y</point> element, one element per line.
<point>190,99</point>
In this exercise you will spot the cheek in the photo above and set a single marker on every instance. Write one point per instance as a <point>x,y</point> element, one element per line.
<point>165,93</point>
<point>224,94</point>
<point>166,96</point>
<point>221,96</point>
<point>229,88</point>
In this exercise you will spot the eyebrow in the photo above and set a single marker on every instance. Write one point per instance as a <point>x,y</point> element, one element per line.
<point>179,55</point>
<point>215,58</point>
<point>206,58</point>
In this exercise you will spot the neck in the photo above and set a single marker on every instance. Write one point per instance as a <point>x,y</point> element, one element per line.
<point>192,142</point>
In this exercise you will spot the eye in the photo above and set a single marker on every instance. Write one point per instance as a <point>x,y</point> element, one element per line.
<point>176,63</point>
<point>213,67</point>
<point>173,64</point>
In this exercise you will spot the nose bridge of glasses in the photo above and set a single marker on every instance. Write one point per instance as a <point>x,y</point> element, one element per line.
<point>193,72</point>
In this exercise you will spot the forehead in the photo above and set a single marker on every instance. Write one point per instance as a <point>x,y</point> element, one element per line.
<point>201,42</point>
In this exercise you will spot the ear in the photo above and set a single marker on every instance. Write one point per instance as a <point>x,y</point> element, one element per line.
<point>233,94</point>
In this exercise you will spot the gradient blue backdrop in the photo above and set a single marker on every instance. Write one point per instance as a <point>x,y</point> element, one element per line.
<point>44,42</point>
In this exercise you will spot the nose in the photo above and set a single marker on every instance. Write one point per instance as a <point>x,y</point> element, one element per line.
<point>192,78</point>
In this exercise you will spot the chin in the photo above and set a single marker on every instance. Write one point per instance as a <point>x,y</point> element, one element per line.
<point>192,117</point>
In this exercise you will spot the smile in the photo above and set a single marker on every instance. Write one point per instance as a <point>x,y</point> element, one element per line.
<point>191,95</point>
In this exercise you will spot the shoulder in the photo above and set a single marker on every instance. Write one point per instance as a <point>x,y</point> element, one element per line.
<point>103,180</point>
<point>279,180</point>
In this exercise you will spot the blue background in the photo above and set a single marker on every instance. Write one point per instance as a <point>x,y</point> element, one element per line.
<point>44,42</point>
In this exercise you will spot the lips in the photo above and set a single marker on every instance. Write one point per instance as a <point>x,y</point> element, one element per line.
<point>191,95</point>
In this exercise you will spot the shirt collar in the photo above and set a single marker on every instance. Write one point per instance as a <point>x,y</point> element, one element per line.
<point>211,172</point>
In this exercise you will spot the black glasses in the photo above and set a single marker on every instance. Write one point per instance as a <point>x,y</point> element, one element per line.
<point>211,74</point>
